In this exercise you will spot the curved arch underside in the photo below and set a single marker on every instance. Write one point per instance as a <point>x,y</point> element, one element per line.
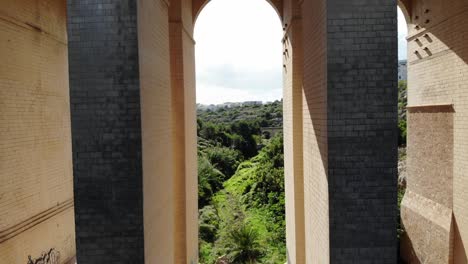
<point>405,6</point>
<point>198,5</point>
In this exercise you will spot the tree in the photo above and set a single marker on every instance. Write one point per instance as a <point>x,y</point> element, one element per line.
<point>244,140</point>
<point>209,180</point>
<point>244,246</point>
<point>224,159</point>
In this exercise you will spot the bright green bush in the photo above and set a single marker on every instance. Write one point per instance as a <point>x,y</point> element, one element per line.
<point>209,180</point>
<point>241,189</point>
<point>224,159</point>
<point>244,246</point>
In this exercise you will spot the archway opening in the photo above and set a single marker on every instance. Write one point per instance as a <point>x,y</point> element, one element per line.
<point>239,128</point>
<point>402,112</point>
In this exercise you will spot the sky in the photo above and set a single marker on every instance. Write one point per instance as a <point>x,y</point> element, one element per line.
<point>239,51</point>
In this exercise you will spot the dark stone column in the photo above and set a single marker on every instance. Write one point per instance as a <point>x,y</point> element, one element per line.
<point>362,130</point>
<point>106,130</point>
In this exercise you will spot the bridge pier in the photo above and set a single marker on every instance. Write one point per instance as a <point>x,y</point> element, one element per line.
<point>126,199</point>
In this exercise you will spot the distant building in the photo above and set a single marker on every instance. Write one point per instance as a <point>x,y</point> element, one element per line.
<point>251,103</point>
<point>402,70</point>
<point>231,104</point>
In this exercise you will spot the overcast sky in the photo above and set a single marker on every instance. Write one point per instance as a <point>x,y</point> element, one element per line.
<point>239,51</point>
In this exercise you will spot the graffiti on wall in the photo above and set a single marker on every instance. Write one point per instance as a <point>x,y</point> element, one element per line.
<point>50,257</point>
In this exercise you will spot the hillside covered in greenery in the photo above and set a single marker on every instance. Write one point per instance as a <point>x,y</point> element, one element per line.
<point>241,185</point>
<point>241,182</point>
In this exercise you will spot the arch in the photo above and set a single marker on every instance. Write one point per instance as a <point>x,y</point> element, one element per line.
<point>405,6</point>
<point>198,5</point>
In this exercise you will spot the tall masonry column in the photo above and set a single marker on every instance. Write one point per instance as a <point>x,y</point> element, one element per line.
<point>437,152</point>
<point>293,139</point>
<point>157,131</point>
<point>350,130</point>
<point>362,130</point>
<point>182,59</point>
<point>123,132</point>
<point>106,130</point>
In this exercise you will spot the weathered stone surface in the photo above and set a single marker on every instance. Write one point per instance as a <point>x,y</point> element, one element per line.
<point>362,134</point>
<point>106,131</point>
<point>437,210</point>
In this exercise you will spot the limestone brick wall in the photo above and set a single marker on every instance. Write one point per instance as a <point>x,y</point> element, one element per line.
<point>184,126</point>
<point>178,139</point>
<point>191,171</point>
<point>438,75</point>
<point>191,152</point>
<point>292,127</point>
<point>157,132</point>
<point>316,201</point>
<point>36,187</point>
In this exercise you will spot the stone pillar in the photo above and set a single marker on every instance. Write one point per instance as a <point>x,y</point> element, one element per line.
<point>437,156</point>
<point>182,59</point>
<point>106,130</point>
<point>362,130</point>
<point>350,130</point>
<point>293,138</point>
<point>157,132</point>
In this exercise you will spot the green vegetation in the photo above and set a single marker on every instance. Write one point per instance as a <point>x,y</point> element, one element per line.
<point>241,183</point>
<point>402,125</point>
<point>402,103</point>
<point>241,187</point>
<point>266,115</point>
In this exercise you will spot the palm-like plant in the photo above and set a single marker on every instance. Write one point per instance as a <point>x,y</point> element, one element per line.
<point>244,247</point>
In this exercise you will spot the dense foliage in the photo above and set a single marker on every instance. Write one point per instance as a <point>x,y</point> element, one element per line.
<point>241,185</point>
<point>402,103</point>
<point>402,125</point>
<point>266,115</point>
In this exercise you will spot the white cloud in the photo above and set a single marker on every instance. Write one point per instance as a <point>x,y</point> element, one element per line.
<point>239,51</point>
<point>207,94</point>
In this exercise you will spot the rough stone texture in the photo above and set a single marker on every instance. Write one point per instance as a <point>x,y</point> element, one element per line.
<point>106,131</point>
<point>362,134</point>
<point>437,75</point>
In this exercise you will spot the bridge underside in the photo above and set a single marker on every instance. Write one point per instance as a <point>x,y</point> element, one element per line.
<point>125,75</point>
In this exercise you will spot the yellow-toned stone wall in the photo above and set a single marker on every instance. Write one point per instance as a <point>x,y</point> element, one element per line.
<point>437,75</point>
<point>157,132</point>
<point>184,125</point>
<point>314,28</point>
<point>191,171</point>
<point>292,127</point>
<point>178,139</point>
<point>53,233</point>
<point>36,190</point>
<point>428,200</point>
